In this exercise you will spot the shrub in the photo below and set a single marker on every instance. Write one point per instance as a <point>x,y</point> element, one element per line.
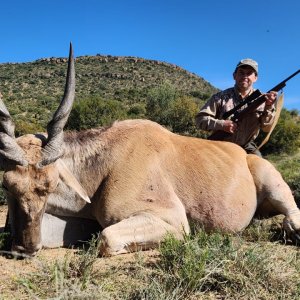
<point>137,111</point>
<point>181,115</point>
<point>159,101</point>
<point>286,135</point>
<point>25,127</point>
<point>93,112</point>
<point>166,106</point>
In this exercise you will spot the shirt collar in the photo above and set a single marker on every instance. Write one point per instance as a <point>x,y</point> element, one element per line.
<point>238,94</point>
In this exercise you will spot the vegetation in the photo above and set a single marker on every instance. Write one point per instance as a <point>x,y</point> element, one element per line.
<point>95,112</point>
<point>286,135</point>
<point>33,90</point>
<point>110,88</point>
<point>167,106</point>
<point>202,266</point>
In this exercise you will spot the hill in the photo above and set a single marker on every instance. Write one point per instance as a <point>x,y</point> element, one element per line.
<point>204,266</point>
<point>32,90</point>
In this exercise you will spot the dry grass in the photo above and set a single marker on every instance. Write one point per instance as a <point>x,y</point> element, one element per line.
<point>203,266</point>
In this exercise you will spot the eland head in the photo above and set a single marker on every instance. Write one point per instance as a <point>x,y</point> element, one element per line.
<point>32,169</point>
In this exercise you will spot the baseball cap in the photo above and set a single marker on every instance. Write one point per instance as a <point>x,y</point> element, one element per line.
<point>248,62</point>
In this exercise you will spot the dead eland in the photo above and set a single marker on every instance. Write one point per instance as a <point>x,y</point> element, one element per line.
<point>136,180</point>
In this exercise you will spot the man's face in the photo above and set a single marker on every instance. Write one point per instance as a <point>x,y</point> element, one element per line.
<point>244,78</point>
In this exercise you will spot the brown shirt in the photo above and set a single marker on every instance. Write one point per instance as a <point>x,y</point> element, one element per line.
<point>210,117</point>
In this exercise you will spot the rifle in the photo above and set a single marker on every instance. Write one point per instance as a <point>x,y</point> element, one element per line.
<point>252,101</point>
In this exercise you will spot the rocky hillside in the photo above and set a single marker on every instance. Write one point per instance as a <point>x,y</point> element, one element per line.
<point>32,90</point>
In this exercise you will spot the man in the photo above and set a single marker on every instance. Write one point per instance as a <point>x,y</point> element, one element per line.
<point>245,132</point>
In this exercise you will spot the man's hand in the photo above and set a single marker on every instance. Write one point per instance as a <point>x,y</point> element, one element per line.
<point>271,97</point>
<point>229,126</point>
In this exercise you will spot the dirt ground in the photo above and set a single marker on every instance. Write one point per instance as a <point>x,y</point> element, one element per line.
<point>12,269</point>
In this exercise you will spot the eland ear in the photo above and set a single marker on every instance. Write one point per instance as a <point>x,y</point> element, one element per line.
<point>69,179</point>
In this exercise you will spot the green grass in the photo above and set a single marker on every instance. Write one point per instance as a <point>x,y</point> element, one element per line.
<point>225,266</point>
<point>201,266</point>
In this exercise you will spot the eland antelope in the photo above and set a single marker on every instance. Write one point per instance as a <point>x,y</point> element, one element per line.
<point>135,181</point>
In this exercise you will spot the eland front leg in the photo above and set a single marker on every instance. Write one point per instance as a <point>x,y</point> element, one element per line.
<point>141,231</point>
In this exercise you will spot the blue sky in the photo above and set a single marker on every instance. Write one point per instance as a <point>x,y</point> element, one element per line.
<point>207,38</point>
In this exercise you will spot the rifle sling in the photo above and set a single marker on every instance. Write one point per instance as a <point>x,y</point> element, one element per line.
<point>279,105</point>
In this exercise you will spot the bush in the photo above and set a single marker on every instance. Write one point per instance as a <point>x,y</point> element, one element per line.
<point>181,115</point>
<point>167,107</point>
<point>159,101</point>
<point>286,135</point>
<point>25,127</point>
<point>137,111</point>
<point>93,112</point>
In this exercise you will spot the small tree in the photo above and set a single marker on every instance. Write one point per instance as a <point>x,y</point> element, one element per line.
<point>93,112</point>
<point>167,107</point>
<point>159,101</point>
<point>181,115</point>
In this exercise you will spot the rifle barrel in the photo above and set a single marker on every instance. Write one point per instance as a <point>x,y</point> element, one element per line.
<point>253,104</point>
<point>257,94</point>
<point>281,85</point>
